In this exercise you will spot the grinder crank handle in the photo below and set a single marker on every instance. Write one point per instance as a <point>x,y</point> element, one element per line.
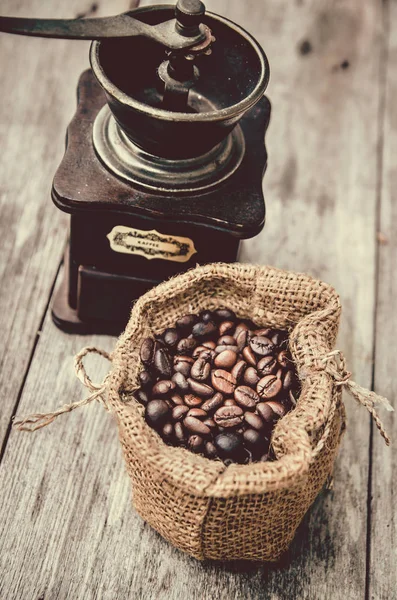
<point>182,33</point>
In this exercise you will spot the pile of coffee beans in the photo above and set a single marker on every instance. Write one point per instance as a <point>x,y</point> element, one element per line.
<point>217,384</point>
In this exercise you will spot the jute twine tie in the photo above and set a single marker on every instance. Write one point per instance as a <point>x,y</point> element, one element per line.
<point>334,364</point>
<point>39,420</point>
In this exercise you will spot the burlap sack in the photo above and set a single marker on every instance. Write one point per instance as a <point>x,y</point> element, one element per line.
<point>241,511</point>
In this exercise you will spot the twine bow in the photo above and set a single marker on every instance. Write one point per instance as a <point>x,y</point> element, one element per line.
<point>334,364</point>
<point>39,420</point>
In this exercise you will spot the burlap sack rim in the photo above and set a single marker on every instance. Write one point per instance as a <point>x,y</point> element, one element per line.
<point>214,479</point>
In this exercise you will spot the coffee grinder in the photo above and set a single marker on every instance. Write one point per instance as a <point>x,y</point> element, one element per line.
<point>164,156</point>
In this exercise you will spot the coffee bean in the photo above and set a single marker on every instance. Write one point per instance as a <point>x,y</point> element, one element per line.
<point>201,369</point>
<point>230,402</point>
<point>226,328</point>
<point>249,356</point>
<point>145,379</point>
<point>283,359</point>
<point>209,344</point>
<point>289,380</point>
<point>254,421</point>
<point>186,345</point>
<point>206,316</point>
<point>198,413</point>
<point>238,370</point>
<point>196,426</point>
<point>267,365</point>
<point>210,450</point>
<point>195,443</point>
<point>266,332</point>
<point>163,387</point>
<point>212,403</point>
<point>226,340</point>
<point>201,389</point>
<point>224,348</point>
<point>176,399</point>
<point>224,314</point>
<point>168,432</point>
<point>186,322</point>
<point>162,362</point>
<point>203,352</point>
<point>269,386</point>
<point>171,337</point>
<point>251,377</point>
<point>210,423</point>
<point>228,445</point>
<point>181,382</point>
<point>223,381</point>
<point>261,345</point>
<point>178,412</point>
<point>147,351</point>
<point>157,413</point>
<point>277,408</point>
<point>191,400</point>
<point>264,458</point>
<point>266,412</point>
<point>183,364</point>
<point>255,441</point>
<point>142,397</point>
<point>292,398</point>
<point>243,338</point>
<point>226,359</point>
<point>246,397</point>
<point>228,416</point>
<point>203,331</point>
<point>180,434</point>
<point>239,328</point>
<point>279,338</point>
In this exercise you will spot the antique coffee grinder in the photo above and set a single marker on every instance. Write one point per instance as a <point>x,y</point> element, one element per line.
<point>164,157</point>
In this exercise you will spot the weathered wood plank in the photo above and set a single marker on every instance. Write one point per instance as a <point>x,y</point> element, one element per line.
<point>66,519</point>
<point>383,532</point>
<point>38,81</point>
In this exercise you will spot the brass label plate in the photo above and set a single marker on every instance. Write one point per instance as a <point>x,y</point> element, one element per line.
<point>151,244</point>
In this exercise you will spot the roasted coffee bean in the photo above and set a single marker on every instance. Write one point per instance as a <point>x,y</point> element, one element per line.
<point>183,364</point>
<point>181,382</point>
<point>163,387</point>
<point>243,338</point>
<point>254,421</point>
<point>196,426</point>
<point>145,379</point>
<point>202,351</point>
<point>176,399</point>
<point>167,432</point>
<point>261,345</point>
<point>210,450</point>
<point>203,331</point>
<point>157,413</point>
<point>263,332</point>
<point>230,402</point>
<point>224,348</point>
<point>180,434</point>
<point>201,369</point>
<point>292,398</point>
<point>223,381</point>
<point>179,412</point>
<point>282,359</point>
<point>191,400</point>
<point>171,337</point>
<point>255,441</point>
<point>228,416</point>
<point>186,322</point>
<point>186,345</point>
<point>264,458</point>
<point>224,314</point>
<point>289,380</point>
<point>239,369</point>
<point>249,356</point>
<point>142,397</point>
<point>198,413</point>
<point>251,377</point>
<point>229,445</point>
<point>162,363</point>
<point>206,316</point>
<point>267,365</point>
<point>269,386</point>
<point>279,338</point>
<point>201,389</point>
<point>226,340</point>
<point>147,351</point>
<point>213,403</point>
<point>210,423</point>
<point>277,408</point>
<point>246,397</point>
<point>195,443</point>
<point>226,328</point>
<point>266,412</point>
<point>226,359</point>
<point>239,328</point>
<point>209,344</point>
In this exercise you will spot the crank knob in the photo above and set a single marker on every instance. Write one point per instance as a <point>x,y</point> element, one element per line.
<point>189,13</point>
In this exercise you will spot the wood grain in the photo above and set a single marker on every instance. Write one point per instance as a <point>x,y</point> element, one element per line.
<point>66,519</point>
<point>383,532</point>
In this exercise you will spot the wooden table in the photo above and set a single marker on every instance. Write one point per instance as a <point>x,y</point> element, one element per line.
<point>67,527</point>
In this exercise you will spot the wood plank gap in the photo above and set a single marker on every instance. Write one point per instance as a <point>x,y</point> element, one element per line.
<point>31,356</point>
<point>383,72</point>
